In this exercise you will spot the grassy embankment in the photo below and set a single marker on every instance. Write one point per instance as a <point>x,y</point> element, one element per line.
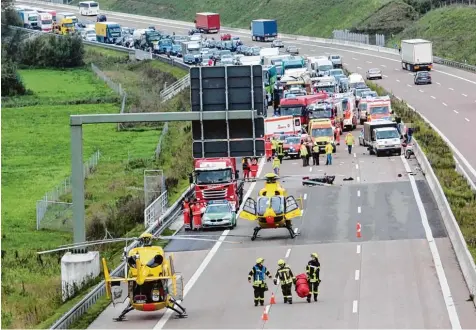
<point>36,157</point>
<point>451,29</point>
<point>458,192</point>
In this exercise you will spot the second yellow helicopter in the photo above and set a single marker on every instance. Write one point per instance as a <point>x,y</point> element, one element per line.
<point>273,208</point>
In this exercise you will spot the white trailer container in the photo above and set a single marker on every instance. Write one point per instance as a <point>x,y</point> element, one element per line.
<point>282,125</point>
<point>417,55</point>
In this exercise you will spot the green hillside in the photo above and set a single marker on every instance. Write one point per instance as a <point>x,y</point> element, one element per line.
<point>452,31</point>
<point>304,17</point>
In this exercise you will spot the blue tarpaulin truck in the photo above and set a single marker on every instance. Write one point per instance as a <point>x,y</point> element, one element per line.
<point>264,29</point>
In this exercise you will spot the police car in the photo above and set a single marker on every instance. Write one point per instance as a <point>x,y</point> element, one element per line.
<point>219,214</point>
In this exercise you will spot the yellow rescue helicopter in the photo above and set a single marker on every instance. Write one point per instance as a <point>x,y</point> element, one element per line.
<point>273,208</point>
<point>151,282</point>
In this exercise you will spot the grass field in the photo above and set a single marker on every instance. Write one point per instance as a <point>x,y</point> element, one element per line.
<point>452,31</point>
<point>36,158</point>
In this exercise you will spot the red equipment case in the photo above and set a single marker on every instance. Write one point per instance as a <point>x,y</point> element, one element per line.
<point>302,287</point>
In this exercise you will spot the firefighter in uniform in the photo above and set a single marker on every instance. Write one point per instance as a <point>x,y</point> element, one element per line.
<point>274,145</point>
<point>258,274</point>
<point>315,154</point>
<point>312,271</point>
<point>286,279</point>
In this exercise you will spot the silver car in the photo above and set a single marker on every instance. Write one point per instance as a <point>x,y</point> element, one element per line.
<point>374,74</point>
<point>277,43</point>
<point>293,50</point>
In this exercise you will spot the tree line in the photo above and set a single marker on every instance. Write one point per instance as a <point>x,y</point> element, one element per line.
<point>424,6</point>
<point>21,49</point>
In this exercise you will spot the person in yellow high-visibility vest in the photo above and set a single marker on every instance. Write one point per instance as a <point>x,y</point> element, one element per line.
<point>304,157</point>
<point>329,149</point>
<point>276,164</point>
<point>349,141</point>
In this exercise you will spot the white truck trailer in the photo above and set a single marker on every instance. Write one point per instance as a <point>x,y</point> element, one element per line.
<point>417,55</point>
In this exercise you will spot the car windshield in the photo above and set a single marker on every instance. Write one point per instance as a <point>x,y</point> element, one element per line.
<point>90,33</point>
<point>320,132</point>
<point>379,110</point>
<point>329,89</point>
<point>277,204</point>
<point>371,94</point>
<point>423,74</point>
<point>359,92</point>
<point>325,67</point>
<point>291,111</point>
<point>335,57</point>
<point>218,209</point>
<point>374,71</point>
<point>321,113</point>
<point>336,72</point>
<point>293,140</point>
<point>46,22</point>
<point>68,25</point>
<point>390,134</point>
<point>213,176</point>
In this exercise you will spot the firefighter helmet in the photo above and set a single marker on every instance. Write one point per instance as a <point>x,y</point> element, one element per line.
<point>314,255</point>
<point>259,260</point>
<point>281,262</point>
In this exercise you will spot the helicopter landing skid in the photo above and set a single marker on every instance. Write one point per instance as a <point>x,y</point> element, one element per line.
<point>291,232</point>
<point>180,314</point>
<point>121,317</point>
<point>255,233</point>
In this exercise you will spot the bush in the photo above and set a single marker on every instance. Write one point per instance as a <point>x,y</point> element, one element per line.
<point>457,190</point>
<point>50,51</point>
<point>12,84</point>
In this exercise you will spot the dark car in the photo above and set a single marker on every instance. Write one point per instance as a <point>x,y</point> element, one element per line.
<point>422,77</point>
<point>101,18</point>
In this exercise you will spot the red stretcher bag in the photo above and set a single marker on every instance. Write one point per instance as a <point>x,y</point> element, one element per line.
<point>302,287</point>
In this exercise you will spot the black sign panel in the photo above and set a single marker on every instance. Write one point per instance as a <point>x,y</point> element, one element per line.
<point>228,88</point>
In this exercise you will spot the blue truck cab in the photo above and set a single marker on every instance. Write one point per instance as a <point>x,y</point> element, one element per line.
<point>165,46</point>
<point>264,29</point>
<point>108,32</point>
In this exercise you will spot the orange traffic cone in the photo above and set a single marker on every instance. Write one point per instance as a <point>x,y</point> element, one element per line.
<point>273,299</point>
<point>264,317</point>
<point>359,235</point>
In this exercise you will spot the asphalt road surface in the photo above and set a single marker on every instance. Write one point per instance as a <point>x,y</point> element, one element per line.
<point>449,103</point>
<point>388,278</point>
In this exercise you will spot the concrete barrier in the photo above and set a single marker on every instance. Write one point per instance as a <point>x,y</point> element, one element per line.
<point>464,257</point>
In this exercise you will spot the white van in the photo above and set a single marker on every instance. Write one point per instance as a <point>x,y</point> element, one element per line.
<point>323,66</point>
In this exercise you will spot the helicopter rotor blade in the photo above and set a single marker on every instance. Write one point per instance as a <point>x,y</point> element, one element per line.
<point>80,245</point>
<point>195,239</point>
<point>107,240</point>
<point>212,235</point>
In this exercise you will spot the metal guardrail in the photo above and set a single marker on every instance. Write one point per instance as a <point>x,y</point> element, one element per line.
<point>175,88</point>
<point>454,64</point>
<point>100,290</point>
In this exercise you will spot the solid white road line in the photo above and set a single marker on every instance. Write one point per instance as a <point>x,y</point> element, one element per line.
<point>359,210</point>
<point>209,256</point>
<point>288,252</point>
<point>357,275</point>
<point>355,306</point>
<point>358,249</point>
<point>450,306</point>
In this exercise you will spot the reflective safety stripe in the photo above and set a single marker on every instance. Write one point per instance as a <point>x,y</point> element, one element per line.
<point>285,276</point>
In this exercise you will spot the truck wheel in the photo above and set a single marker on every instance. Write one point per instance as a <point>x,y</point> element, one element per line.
<point>378,153</point>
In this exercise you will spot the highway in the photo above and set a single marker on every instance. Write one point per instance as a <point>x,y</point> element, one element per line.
<point>449,103</point>
<point>402,272</point>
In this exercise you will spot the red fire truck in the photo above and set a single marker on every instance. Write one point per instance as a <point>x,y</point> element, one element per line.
<point>297,106</point>
<point>217,179</point>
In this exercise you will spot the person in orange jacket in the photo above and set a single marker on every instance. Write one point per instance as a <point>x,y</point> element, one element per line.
<point>338,133</point>
<point>186,214</point>
<point>254,169</point>
<point>197,215</point>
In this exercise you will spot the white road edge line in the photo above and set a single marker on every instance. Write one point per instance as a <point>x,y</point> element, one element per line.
<point>358,248</point>
<point>209,256</point>
<point>288,252</point>
<point>355,306</point>
<point>357,275</point>
<point>450,305</point>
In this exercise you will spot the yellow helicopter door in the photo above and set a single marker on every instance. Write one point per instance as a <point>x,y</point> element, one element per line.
<point>292,208</point>
<point>249,210</point>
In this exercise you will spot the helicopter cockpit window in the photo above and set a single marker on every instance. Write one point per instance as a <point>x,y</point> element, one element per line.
<point>277,204</point>
<point>156,261</point>
<point>132,261</point>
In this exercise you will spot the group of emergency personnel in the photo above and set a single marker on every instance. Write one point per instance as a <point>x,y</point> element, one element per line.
<point>250,168</point>
<point>192,210</point>
<point>259,272</point>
